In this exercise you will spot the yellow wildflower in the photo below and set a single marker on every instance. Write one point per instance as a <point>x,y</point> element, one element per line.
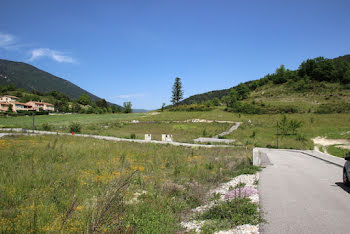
<point>138,168</point>
<point>116,173</point>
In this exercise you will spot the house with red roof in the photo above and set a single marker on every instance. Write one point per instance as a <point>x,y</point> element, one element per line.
<point>7,100</point>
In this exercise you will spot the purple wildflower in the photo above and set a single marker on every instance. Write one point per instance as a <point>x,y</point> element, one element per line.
<point>241,192</point>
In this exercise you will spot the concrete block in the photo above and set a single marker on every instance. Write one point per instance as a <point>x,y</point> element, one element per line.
<point>167,137</point>
<point>148,137</point>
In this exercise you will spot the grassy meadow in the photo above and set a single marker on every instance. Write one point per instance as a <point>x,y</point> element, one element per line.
<point>261,132</point>
<point>256,130</point>
<point>73,184</point>
<point>182,132</point>
<point>63,121</point>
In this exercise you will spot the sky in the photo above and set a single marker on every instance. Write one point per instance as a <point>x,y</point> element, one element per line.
<point>133,50</point>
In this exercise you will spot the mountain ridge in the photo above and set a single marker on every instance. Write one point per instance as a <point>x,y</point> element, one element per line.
<point>31,78</point>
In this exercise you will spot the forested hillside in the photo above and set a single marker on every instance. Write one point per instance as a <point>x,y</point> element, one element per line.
<point>30,78</point>
<point>310,77</point>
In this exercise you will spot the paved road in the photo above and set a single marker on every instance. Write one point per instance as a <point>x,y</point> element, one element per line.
<point>303,194</point>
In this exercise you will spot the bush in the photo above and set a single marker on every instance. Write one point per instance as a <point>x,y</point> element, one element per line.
<point>75,127</point>
<point>287,109</point>
<point>109,209</point>
<point>232,213</point>
<point>246,108</point>
<point>301,138</point>
<point>333,108</point>
<point>46,127</point>
<point>192,107</point>
<point>132,136</point>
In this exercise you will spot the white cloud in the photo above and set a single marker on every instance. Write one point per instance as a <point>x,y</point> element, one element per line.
<point>6,40</point>
<point>126,96</point>
<point>53,54</point>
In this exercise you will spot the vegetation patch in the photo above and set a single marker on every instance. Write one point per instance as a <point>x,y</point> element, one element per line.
<point>336,151</point>
<point>229,214</point>
<point>66,184</point>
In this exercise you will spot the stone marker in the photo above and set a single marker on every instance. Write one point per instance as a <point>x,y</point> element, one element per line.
<point>148,137</point>
<point>167,137</point>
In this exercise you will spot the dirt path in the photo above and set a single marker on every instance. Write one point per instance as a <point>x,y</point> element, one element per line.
<point>322,142</point>
<point>217,139</point>
<point>327,142</point>
<point>234,127</point>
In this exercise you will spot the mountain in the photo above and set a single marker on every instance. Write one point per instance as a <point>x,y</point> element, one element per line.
<point>139,110</point>
<point>329,68</point>
<point>28,77</point>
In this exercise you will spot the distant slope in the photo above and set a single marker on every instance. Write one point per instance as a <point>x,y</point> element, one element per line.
<point>139,110</point>
<point>203,97</point>
<point>28,77</point>
<point>345,58</point>
<point>198,98</point>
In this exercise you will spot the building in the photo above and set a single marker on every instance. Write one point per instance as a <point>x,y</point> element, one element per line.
<point>7,100</point>
<point>41,105</point>
<point>4,106</point>
<point>18,106</point>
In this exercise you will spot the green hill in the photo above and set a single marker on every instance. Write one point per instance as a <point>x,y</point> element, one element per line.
<point>318,85</point>
<point>28,77</point>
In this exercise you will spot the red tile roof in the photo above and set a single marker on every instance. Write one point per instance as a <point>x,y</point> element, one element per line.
<point>20,103</point>
<point>41,103</point>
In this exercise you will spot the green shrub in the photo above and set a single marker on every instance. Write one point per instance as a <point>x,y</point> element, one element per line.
<point>333,108</point>
<point>75,127</point>
<point>204,133</point>
<point>46,126</point>
<point>232,213</point>
<point>301,138</point>
<point>339,152</point>
<point>192,107</point>
<point>132,136</point>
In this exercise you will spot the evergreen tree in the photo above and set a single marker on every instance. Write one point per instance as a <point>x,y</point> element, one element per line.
<point>177,91</point>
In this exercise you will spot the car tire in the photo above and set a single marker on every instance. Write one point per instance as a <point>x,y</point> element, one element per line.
<point>345,178</point>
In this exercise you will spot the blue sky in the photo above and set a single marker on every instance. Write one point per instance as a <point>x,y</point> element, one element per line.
<point>133,50</point>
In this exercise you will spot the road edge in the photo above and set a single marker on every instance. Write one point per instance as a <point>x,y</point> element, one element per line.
<point>260,153</point>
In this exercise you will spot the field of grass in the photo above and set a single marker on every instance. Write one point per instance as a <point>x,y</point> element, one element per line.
<point>337,151</point>
<point>63,121</point>
<point>182,132</point>
<point>306,100</point>
<point>261,131</point>
<point>217,114</point>
<point>72,184</point>
<point>119,125</point>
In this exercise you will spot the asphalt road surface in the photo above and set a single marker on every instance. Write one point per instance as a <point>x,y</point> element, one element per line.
<point>302,194</point>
